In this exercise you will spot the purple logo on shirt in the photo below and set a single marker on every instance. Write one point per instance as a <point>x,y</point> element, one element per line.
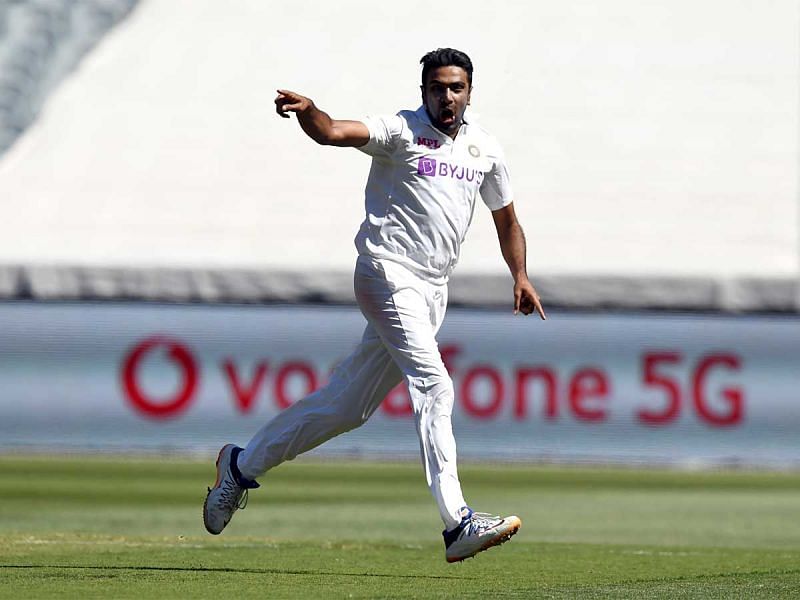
<point>427,167</point>
<point>428,142</point>
<point>430,168</point>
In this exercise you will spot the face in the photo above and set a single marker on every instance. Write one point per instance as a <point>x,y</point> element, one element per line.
<point>446,96</point>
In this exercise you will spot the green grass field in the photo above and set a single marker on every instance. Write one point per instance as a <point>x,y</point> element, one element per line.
<point>94,527</point>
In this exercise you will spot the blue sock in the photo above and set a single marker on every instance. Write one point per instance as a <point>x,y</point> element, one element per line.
<point>237,474</point>
<point>451,535</point>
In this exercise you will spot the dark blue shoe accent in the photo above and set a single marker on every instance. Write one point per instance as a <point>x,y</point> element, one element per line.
<point>452,535</point>
<point>237,474</point>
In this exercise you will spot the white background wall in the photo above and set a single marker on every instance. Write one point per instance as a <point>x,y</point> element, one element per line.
<point>643,137</point>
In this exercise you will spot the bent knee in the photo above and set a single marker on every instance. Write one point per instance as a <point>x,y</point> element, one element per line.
<point>432,395</point>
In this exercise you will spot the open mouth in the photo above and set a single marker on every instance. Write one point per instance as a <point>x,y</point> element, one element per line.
<point>447,116</point>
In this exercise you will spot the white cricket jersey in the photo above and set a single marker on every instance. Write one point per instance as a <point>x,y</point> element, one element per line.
<point>421,190</point>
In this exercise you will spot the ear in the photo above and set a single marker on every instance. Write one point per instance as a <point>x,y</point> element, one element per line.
<point>469,96</point>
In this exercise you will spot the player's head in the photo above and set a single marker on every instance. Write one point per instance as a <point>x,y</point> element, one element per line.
<point>446,87</point>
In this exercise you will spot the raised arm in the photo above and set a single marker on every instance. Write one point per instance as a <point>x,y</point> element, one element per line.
<point>318,125</point>
<point>512,244</point>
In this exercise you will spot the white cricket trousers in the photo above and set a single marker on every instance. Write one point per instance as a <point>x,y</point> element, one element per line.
<point>403,315</point>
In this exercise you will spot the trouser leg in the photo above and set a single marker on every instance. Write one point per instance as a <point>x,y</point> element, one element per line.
<point>356,388</point>
<point>406,313</point>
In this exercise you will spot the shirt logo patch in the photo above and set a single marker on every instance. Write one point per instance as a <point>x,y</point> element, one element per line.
<point>474,150</point>
<point>428,143</point>
<point>428,167</point>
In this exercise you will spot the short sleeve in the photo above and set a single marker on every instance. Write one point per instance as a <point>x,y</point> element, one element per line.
<point>383,135</point>
<point>496,187</point>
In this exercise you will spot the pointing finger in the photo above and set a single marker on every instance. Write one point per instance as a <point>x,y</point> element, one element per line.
<point>539,308</point>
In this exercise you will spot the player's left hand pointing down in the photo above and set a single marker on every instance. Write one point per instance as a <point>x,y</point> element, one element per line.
<point>526,300</point>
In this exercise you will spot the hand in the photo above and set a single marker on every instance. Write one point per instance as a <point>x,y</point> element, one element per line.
<point>287,102</point>
<point>526,300</point>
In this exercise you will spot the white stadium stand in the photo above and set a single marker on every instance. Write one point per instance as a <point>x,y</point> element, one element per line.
<point>41,41</point>
<point>653,147</point>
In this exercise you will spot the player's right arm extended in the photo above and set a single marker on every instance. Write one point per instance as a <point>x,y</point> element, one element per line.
<point>318,125</point>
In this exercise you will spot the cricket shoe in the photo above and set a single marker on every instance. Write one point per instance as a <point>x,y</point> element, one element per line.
<point>476,533</point>
<point>229,492</point>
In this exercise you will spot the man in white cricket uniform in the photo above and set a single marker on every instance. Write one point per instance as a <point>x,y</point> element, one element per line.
<point>428,168</point>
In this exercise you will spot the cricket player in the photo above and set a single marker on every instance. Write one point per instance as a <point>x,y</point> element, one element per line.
<point>428,167</point>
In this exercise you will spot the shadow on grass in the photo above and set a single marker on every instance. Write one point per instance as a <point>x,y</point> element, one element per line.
<point>233,570</point>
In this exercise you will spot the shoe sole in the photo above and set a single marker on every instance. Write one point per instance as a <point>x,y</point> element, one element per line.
<point>500,538</point>
<point>216,485</point>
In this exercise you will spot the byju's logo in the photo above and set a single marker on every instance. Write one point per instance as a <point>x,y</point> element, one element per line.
<point>427,167</point>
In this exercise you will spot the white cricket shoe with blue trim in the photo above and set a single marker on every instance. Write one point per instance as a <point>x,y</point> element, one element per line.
<point>229,492</point>
<point>476,533</point>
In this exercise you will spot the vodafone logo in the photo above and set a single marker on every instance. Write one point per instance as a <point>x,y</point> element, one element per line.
<point>671,386</point>
<point>182,360</point>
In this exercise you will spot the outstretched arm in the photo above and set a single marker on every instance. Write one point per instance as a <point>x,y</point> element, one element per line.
<point>318,125</point>
<point>512,244</point>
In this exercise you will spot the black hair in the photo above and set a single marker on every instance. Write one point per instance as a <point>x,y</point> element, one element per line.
<point>445,57</point>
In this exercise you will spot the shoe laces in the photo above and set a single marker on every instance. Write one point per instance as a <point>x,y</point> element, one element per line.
<point>480,522</point>
<point>232,495</point>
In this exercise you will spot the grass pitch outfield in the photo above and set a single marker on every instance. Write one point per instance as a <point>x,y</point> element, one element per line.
<point>94,527</point>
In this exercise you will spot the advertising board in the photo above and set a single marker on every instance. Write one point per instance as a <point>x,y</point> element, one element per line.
<point>660,388</point>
